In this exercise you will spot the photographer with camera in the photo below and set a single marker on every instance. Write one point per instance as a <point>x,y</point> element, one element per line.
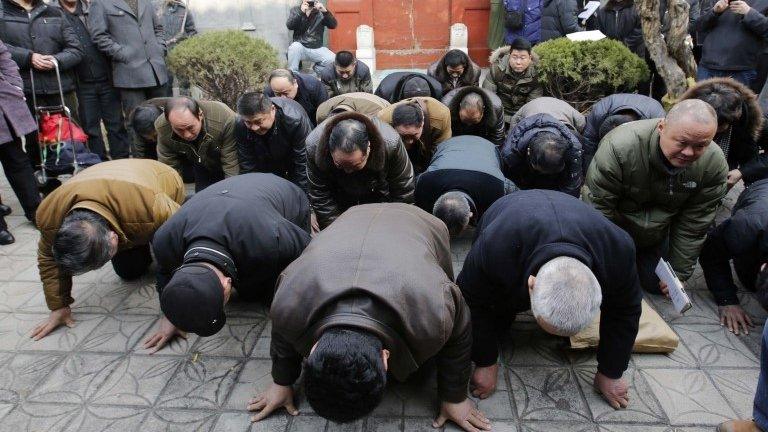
<point>308,22</point>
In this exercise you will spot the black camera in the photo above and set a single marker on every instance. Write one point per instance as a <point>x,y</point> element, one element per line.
<point>311,4</point>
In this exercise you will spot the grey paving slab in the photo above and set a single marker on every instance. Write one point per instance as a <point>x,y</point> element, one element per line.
<point>643,406</point>
<point>137,380</point>
<point>547,393</point>
<point>167,420</point>
<point>204,383</point>
<point>738,386</point>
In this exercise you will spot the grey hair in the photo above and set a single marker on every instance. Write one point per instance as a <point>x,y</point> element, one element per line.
<point>566,296</point>
<point>453,209</point>
<point>472,101</point>
<point>82,242</point>
<point>282,73</point>
<point>692,109</point>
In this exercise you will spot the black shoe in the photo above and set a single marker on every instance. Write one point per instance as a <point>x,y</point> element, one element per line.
<point>6,238</point>
<point>4,210</point>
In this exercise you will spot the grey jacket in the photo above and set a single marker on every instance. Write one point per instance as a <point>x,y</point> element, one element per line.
<point>134,43</point>
<point>557,108</point>
<point>172,14</point>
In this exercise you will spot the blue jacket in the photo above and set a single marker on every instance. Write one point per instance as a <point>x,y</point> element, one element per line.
<point>531,29</point>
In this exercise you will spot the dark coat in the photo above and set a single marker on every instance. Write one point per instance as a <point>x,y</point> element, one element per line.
<point>43,30</point>
<point>281,150</point>
<point>134,42</point>
<point>492,125</point>
<point>468,164</point>
<point>470,77</point>
<point>514,157</point>
<point>391,87</point>
<point>559,19</point>
<point>621,21</point>
<point>335,86</point>
<point>523,231</point>
<point>95,65</point>
<point>694,12</point>
<point>221,226</point>
<point>742,238</point>
<point>173,14</point>
<point>531,28</point>
<point>310,95</point>
<point>309,30</point>
<point>742,150</point>
<point>644,107</point>
<point>386,177</point>
<point>514,89</point>
<point>401,290</point>
<point>15,118</point>
<point>733,42</point>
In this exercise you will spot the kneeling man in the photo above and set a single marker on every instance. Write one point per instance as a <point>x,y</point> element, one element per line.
<point>372,294</point>
<point>545,251</point>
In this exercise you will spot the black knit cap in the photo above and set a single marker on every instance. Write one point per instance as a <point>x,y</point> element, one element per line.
<point>193,300</point>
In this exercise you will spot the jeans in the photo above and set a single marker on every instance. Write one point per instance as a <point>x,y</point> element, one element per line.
<point>760,410</point>
<point>745,77</point>
<point>298,52</point>
<point>99,101</point>
<point>204,177</point>
<point>130,98</point>
<point>132,263</point>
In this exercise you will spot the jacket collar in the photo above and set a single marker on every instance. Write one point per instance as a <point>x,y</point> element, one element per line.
<point>213,253</point>
<point>121,4</point>
<point>107,214</point>
<point>378,155</point>
<point>549,251</point>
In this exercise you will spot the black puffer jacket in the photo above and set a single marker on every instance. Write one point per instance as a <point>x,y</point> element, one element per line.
<point>741,150</point>
<point>95,66</point>
<point>470,77</point>
<point>644,107</point>
<point>492,125</point>
<point>558,18</point>
<point>44,30</point>
<point>335,86</point>
<point>281,151</point>
<point>309,30</point>
<point>391,87</point>
<point>386,177</point>
<point>620,21</point>
<point>310,95</point>
<point>514,157</point>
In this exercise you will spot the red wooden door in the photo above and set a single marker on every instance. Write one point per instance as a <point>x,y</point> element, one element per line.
<point>410,33</point>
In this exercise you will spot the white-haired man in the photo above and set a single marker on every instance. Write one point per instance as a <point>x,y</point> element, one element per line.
<point>554,254</point>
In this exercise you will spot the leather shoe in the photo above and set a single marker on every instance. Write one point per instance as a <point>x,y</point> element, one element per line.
<point>6,238</point>
<point>738,426</point>
<point>4,210</point>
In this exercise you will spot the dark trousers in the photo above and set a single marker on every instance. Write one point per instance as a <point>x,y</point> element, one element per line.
<point>130,98</point>
<point>760,410</point>
<point>21,177</point>
<point>132,263</point>
<point>70,100</point>
<point>647,259</point>
<point>205,177</point>
<point>99,101</point>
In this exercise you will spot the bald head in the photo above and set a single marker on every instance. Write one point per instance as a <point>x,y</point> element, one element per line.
<point>692,110</point>
<point>687,131</point>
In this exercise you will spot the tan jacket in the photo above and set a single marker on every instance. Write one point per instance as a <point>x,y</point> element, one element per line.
<point>135,196</point>
<point>363,103</point>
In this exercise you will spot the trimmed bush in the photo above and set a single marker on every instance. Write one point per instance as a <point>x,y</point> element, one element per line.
<point>581,73</point>
<point>224,64</point>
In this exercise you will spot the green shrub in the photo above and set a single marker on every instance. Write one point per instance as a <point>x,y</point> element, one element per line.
<point>224,64</point>
<point>584,72</point>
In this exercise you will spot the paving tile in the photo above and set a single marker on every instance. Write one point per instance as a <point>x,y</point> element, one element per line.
<point>237,338</point>
<point>752,306</point>
<point>76,379</point>
<point>21,373</point>
<point>239,308</point>
<point>32,417</point>
<point>204,383</point>
<point>738,386</point>
<point>383,425</point>
<point>141,300</point>
<point>255,377</point>
<point>97,419</point>
<point>137,380</point>
<point>497,406</point>
<point>11,265</point>
<point>704,310</point>
<point>647,428</point>
<point>103,298</point>
<point>754,340</point>
<point>680,357</point>
<point>15,329</point>
<point>179,421</point>
<point>261,349</point>
<point>305,423</point>
<point>713,345</point>
<point>688,397</point>
<point>119,333</point>
<point>548,426</point>
<point>528,344</point>
<point>545,393</point>
<point>643,406</point>
<point>241,422</point>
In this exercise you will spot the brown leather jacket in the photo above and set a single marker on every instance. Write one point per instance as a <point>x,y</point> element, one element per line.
<point>135,196</point>
<point>401,290</point>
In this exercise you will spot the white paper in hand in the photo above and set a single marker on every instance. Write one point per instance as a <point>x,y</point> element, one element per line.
<point>589,9</point>
<point>677,294</point>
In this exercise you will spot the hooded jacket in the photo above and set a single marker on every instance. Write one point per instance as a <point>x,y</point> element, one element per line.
<point>220,223</point>
<point>385,269</point>
<point>514,89</point>
<point>557,108</point>
<point>335,86</point>
<point>523,231</point>
<point>309,30</point>
<point>391,87</point>
<point>558,19</point>
<point>621,21</point>
<point>514,157</point>
<point>631,184</point>
<point>470,77</point>
<point>359,102</point>
<point>281,151</point>
<point>742,149</point>
<point>491,127</point>
<point>386,177</point>
<point>310,95</point>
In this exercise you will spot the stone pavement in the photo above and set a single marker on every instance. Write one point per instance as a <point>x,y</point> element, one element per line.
<point>95,377</point>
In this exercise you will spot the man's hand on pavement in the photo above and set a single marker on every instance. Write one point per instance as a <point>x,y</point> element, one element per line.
<point>58,317</point>
<point>614,391</point>
<point>463,414</point>
<point>733,316</point>
<point>163,335</point>
<point>274,398</point>
<point>483,382</point>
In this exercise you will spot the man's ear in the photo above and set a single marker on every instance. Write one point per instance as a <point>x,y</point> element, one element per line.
<point>385,358</point>
<point>227,289</point>
<point>531,284</point>
<point>661,126</point>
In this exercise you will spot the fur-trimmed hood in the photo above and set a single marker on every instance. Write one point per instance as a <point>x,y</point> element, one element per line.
<point>471,75</point>
<point>499,57</point>
<point>493,109</point>
<point>380,136</point>
<point>752,116</point>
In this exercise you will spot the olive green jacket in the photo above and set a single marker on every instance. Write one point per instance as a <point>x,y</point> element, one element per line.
<point>514,90</point>
<point>629,181</point>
